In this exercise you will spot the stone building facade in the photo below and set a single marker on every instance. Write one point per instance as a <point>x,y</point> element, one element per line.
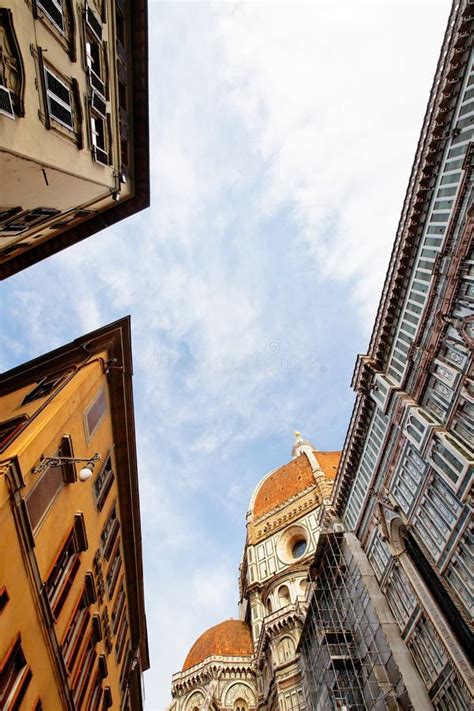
<point>403,486</point>
<point>314,631</point>
<point>252,663</point>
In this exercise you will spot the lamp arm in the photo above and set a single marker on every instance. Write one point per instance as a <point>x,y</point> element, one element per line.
<point>57,461</point>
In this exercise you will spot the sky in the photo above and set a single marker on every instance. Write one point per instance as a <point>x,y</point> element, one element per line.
<point>282,138</point>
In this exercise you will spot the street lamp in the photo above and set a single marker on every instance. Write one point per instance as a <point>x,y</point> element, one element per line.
<point>57,461</point>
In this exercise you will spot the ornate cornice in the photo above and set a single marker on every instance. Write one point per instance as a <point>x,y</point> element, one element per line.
<point>215,667</point>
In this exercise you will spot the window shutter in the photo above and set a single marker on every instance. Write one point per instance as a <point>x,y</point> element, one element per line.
<point>58,99</point>
<point>54,11</point>
<point>6,104</point>
<point>94,24</point>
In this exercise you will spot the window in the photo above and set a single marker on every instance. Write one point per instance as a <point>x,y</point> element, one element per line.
<point>436,516</point>
<point>125,671</point>
<point>75,632</point>
<point>95,413</point>
<point>121,638</point>
<point>107,702</point>
<point>107,630</point>
<point>379,555</point>
<point>98,133</point>
<point>408,479</point>
<point>464,422</point>
<point>15,676</point>
<point>54,12</point>
<point>94,66</point>
<point>286,649</point>
<point>23,220</point>
<point>428,651</point>
<point>94,25</point>
<point>58,99</point>
<point>4,598</point>
<point>94,60</point>
<point>114,569</point>
<point>400,595</point>
<point>6,103</point>
<point>52,480</point>
<point>109,533</point>
<point>459,572</point>
<point>119,606</point>
<point>93,702</point>
<point>417,427</point>
<point>41,497</point>
<point>449,460</point>
<point>299,548</point>
<point>66,565</point>
<point>294,700</point>
<point>103,484</point>
<point>10,429</point>
<point>12,78</point>
<point>45,387</point>
<point>284,595</point>
<point>84,670</point>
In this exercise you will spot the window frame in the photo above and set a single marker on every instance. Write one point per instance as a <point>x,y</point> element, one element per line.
<point>101,394</point>
<point>6,440</point>
<point>15,676</point>
<point>103,483</point>
<point>49,93</point>
<point>65,566</point>
<point>59,6</point>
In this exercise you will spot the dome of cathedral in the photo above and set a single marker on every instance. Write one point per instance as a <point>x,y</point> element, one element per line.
<point>231,638</point>
<point>289,480</point>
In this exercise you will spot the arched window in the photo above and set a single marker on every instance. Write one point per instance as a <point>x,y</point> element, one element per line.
<point>269,606</point>
<point>284,595</point>
<point>303,586</point>
<point>286,649</point>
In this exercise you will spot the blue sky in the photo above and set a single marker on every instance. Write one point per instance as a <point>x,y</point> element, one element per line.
<point>282,138</point>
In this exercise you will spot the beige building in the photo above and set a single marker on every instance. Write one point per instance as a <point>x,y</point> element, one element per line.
<point>72,621</point>
<point>73,122</point>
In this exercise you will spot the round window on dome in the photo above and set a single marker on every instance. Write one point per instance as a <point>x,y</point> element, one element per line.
<point>299,547</point>
<point>293,544</point>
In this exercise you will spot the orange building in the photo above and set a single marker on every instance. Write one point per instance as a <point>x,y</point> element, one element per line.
<point>72,619</point>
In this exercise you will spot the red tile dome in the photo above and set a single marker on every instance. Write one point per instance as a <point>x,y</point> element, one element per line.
<point>290,480</point>
<point>231,638</point>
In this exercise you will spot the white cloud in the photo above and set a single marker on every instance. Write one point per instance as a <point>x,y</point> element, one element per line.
<point>334,95</point>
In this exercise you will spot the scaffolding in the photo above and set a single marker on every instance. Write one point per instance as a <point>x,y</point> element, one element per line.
<point>347,664</point>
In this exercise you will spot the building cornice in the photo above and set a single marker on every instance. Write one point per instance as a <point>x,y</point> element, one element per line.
<point>213,667</point>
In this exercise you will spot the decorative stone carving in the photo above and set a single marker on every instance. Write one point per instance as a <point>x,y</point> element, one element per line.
<point>195,701</point>
<point>239,691</point>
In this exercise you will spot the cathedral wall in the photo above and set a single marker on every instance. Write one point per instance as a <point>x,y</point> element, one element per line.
<point>274,554</point>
